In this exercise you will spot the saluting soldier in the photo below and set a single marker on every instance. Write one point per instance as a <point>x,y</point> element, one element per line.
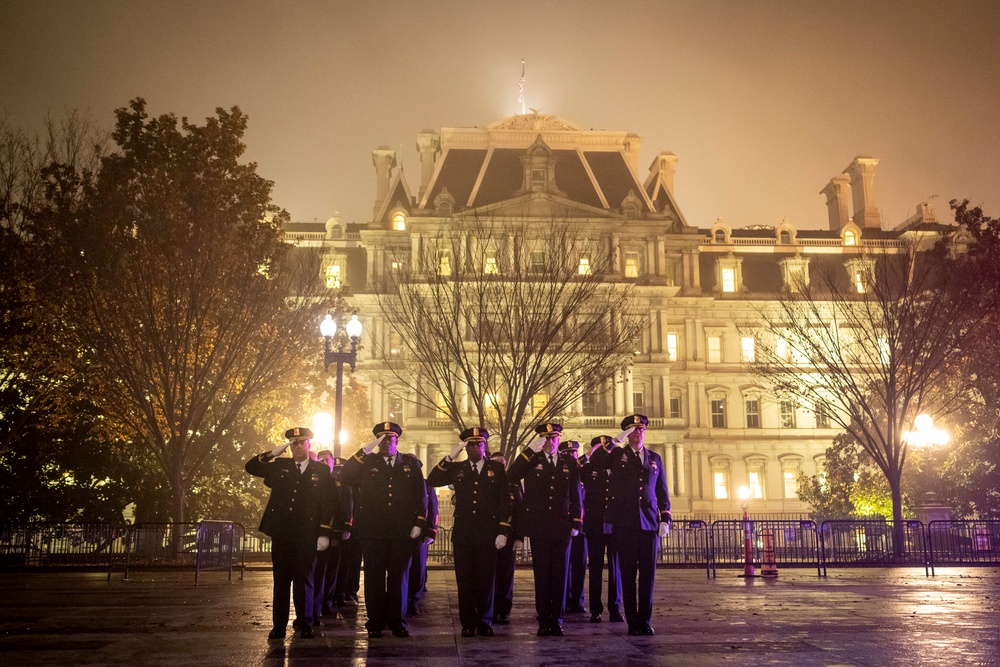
<point>503,591</point>
<point>550,518</point>
<point>639,512</point>
<point>328,562</point>
<point>577,547</point>
<point>418,563</point>
<point>482,526</point>
<point>349,572</point>
<point>596,487</point>
<point>390,513</point>
<point>298,518</point>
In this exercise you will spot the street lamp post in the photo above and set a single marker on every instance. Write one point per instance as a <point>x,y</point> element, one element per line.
<point>748,570</point>
<point>340,356</point>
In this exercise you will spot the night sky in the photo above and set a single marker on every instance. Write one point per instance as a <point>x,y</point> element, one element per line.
<point>762,101</point>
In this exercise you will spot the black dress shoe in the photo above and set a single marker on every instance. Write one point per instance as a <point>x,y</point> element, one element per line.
<point>468,632</point>
<point>595,618</point>
<point>502,619</point>
<point>276,634</point>
<point>543,632</point>
<point>485,631</point>
<point>307,633</point>
<point>400,632</point>
<point>577,609</point>
<point>648,631</point>
<point>616,617</point>
<point>556,631</point>
<point>374,634</point>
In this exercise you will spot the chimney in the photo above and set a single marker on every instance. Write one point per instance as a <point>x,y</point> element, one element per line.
<point>862,173</point>
<point>631,146</point>
<point>666,165</point>
<point>384,160</point>
<point>429,145</point>
<point>837,193</point>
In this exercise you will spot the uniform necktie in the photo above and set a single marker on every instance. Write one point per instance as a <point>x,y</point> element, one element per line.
<point>388,462</point>
<point>552,461</point>
<point>302,467</point>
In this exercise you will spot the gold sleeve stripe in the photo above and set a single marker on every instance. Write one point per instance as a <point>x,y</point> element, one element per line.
<point>323,525</point>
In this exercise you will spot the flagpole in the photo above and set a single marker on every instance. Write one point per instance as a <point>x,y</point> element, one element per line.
<point>520,96</point>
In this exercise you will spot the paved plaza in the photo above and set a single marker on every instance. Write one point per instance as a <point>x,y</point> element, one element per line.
<point>852,617</point>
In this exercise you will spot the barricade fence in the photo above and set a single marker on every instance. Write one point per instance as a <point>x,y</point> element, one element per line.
<point>212,546</point>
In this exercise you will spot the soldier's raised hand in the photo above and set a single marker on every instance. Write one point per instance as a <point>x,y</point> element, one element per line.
<point>536,444</point>
<point>373,445</point>
<point>455,452</point>
<point>621,437</point>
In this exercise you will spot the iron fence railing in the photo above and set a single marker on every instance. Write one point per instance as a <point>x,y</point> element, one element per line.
<point>781,543</point>
<point>963,543</point>
<point>872,543</point>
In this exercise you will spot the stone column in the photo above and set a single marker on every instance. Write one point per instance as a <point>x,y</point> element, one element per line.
<point>862,174</point>
<point>681,473</point>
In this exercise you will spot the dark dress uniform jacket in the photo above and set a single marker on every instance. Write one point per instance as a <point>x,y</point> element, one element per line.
<point>389,501</point>
<point>635,485</point>
<point>482,502</point>
<point>302,504</point>
<point>596,490</point>
<point>552,502</point>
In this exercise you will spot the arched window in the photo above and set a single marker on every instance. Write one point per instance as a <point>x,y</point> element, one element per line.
<point>720,236</point>
<point>850,238</point>
<point>399,222</point>
<point>785,238</point>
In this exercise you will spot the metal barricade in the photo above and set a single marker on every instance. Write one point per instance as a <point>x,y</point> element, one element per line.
<point>796,543</point>
<point>686,545</point>
<point>871,543</point>
<point>441,551</point>
<point>975,542</point>
<point>43,544</point>
<point>161,545</point>
<point>219,546</point>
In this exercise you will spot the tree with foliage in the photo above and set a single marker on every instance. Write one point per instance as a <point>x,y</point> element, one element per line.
<point>176,282</point>
<point>502,336</point>
<point>871,348</point>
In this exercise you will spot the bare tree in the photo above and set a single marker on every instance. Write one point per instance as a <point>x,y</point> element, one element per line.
<point>507,322</point>
<point>868,345</point>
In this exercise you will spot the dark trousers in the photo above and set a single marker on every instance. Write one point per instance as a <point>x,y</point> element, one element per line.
<point>387,569</point>
<point>550,564</point>
<point>418,574</point>
<point>503,589</point>
<point>637,555</point>
<point>600,543</point>
<point>349,572</point>
<point>325,579</point>
<point>475,572</point>
<point>292,562</point>
<point>577,571</point>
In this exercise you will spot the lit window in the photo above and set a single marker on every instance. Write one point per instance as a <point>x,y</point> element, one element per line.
<point>675,407</point>
<point>399,222</point>
<point>728,280</point>
<point>849,238</point>
<point>440,405</point>
<point>631,265</point>
<point>538,402</point>
<point>490,267</point>
<point>395,344</point>
<point>721,484</point>
<point>791,484</point>
<point>859,282</point>
<point>755,481</point>
<point>822,415</point>
<point>787,414</point>
<point>584,268</point>
<point>782,349</point>
<point>444,264</point>
<point>715,349</point>
<point>333,276</point>
<point>672,347</point>
<point>884,352</point>
<point>753,413</point>
<point>719,413</point>
<point>396,410</point>
<point>396,265</point>
<point>749,348</point>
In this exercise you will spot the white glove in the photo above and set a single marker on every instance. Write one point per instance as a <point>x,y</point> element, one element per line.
<point>279,450</point>
<point>536,444</point>
<point>518,544</point>
<point>415,532</point>
<point>455,452</point>
<point>346,535</point>
<point>322,542</point>
<point>501,542</point>
<point>373,445</point>
<point>574,532</point>
<point>428,540</point>
<point>664,529</point>
<point>621,437</point>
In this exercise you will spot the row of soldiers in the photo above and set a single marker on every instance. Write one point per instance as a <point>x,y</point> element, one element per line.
<point>616,495</point>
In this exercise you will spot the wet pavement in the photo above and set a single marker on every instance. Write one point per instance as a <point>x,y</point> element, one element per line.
<point>852,617</point>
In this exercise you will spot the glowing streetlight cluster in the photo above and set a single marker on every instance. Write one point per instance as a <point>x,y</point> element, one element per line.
<point>924,433</point>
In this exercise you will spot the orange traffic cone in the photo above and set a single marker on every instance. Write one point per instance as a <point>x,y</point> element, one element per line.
<point>768,568</point>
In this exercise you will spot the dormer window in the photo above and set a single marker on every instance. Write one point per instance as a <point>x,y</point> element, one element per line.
<point>333,276</point>
<point>539,164</point>
<point>538,180</point>
<point>399,221</point>
<point>861,274</point>
<point>728,274</point>
<point>720,236</point>
<point>795,272</point>
<point>785,238</point>
<point>850,238</point>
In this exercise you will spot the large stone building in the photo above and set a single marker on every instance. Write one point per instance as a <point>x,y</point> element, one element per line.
<point>714,427</point>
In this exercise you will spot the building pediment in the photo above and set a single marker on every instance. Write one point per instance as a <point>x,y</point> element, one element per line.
<point>541,205</point>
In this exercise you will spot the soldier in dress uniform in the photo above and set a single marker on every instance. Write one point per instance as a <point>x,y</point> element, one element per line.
<point>503,591</point>
<point>577,548</point>
<point>550,518</point>
<point>482,526</point>
<point>390,513</point>
<point>349,572</point>
<point>328,562</point>
<point>596,486</point>
<point>298,518</point>
<point>418,563</point>
<point>639,512</point>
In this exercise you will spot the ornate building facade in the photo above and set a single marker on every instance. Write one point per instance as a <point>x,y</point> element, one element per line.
<point>714,427</point>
